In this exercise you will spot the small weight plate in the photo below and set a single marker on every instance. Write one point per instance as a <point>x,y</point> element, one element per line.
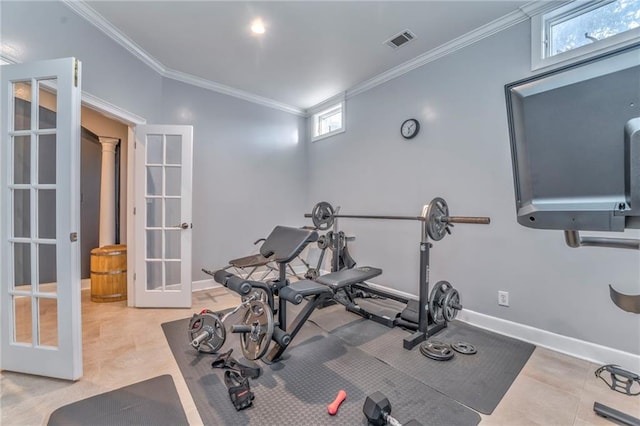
<point>323,242</point>
<point>210,323</point>
<point>436,350</point>
<point>464,348</point>
<point>450,304</point>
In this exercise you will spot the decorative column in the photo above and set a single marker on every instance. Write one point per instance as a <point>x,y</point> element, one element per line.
<point>108,191</point>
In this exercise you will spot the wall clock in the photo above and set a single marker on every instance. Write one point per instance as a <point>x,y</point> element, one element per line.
<point>410,128</point>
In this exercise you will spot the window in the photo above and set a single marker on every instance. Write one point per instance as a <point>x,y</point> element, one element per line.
<point>328,122</point>
<point>580,29</point>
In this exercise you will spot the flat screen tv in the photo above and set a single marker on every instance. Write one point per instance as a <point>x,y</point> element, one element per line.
<point>575,144</point>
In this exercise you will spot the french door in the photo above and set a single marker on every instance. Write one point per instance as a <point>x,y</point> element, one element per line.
<point>163,177</point>
<point>40,219</point>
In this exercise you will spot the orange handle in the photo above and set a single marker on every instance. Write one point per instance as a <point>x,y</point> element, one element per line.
<point>333,407</point>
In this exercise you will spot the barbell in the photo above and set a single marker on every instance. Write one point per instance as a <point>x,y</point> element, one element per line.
<point>435,218</point>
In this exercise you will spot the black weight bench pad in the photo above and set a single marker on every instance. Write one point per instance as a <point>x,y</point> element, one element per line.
<point>285,243</point>
<point>337,280</point>
<point>309,288</point>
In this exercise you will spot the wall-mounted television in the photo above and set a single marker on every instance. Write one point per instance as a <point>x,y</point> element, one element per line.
<point>575,144</point>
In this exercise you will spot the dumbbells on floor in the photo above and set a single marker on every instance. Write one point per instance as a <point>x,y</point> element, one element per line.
<point>377,410</point>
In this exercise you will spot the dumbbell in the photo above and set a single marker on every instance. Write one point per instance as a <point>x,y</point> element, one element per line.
<point>377,410</point>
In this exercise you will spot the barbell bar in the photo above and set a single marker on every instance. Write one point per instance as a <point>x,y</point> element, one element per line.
<point>435,216</point>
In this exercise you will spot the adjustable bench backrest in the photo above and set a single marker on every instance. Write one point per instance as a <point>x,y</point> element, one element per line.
<point>285,243</point>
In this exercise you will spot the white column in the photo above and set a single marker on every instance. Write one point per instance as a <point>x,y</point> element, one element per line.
<point>108,191</point>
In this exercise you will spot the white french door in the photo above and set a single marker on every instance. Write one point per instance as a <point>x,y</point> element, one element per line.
<point>40,219</point>
<point>163,177</point>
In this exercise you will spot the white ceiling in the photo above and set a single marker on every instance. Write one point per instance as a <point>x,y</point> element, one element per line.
<point>311,50</point>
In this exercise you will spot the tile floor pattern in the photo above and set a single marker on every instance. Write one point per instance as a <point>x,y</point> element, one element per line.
<point>126,345</point>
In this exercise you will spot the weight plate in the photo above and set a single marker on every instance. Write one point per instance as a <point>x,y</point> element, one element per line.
<point>436,229</point>
<point>436,301</point>
<point>323,242</point>
<point>451,304</point>
<point>436,350</point>
<point>322,215</point>
<point>256,294</point>
<point>464,348</point>
<point>210,323</point>
<point>258,316</point>
<point>311,274</point>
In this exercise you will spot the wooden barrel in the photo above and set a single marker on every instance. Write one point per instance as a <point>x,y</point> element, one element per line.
<point>109,274</point>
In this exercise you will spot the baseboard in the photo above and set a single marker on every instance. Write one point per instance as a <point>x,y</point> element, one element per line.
<point>204,285</point>
<point>581,349</point>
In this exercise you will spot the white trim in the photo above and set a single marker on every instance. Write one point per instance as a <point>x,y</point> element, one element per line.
<point>567,345</point>
<point>445,49</point>
<point>110,110</point>
<point>539,60</point>
<point>85,11</point>
<point>230,91</point>
<point>204,285</point>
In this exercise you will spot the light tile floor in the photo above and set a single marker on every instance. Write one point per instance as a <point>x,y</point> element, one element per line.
<point>126,345</point>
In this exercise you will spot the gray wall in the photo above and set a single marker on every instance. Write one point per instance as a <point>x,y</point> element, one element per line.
<point>462,154</point>
<point>249,171</point>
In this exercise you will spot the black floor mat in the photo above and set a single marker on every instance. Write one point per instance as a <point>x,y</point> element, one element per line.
<point>478,381</point>
<point>151,402</point>
<point>297,390</point>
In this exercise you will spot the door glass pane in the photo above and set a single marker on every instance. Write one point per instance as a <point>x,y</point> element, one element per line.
<point>172,214</point>
<point>23,319</point>
<point>172,244</point>
<point>21,159</point>
<point>154,275</point>
<point>47,273</point>
<point>22,105</point>
<point>47,159</point>
<point>48,325</point>
<point>22,266</point>
<point>174,180</point>
<point>174,149</point>
<point>154,180</point>
<point>154,212</point>
<point>46,104</point>
<point>154,244</point>
<point>47,213</point>
<point>173,275</point>
<point>154,149</point>
<point>21,213</point>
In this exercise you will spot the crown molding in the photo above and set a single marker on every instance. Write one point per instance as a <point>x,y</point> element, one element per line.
<point>85,11</point>
<point>7,59</point>
<point>445,49</point>
<point>231,91</point>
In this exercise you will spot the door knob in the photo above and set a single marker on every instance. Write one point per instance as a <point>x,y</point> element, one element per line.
<point>184,225</point>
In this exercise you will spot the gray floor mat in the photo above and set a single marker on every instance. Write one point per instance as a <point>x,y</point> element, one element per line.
<point>478,381</point>
<point>151,402</point>
<point>296,391</point>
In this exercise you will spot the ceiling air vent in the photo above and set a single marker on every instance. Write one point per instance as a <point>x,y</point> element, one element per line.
<point>400,39</point>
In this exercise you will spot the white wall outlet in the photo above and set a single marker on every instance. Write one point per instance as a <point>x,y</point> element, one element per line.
<point>503,298</point>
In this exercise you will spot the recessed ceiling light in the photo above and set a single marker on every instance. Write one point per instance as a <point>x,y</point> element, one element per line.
<point>257,26</point>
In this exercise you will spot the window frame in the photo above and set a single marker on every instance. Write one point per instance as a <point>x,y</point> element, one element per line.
<point>541,24</point>
<point>326,110</point>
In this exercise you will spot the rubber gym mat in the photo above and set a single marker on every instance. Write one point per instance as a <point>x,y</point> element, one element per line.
<point>478,381</point>
<point>297,390</point>
<point>150,402</point>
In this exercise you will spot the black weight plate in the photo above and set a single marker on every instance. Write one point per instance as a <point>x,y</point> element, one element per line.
<point>322,215</point>
<point>438,351</point>
<point>211,323</point>
<point>464,348</point>
<point>438,293</point>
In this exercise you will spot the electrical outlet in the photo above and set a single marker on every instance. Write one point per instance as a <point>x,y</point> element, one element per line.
<point>503,298</point>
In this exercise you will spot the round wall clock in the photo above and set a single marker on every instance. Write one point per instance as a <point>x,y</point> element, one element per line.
<point>410,128</point>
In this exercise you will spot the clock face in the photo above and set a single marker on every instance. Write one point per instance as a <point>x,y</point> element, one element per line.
<point>410,128</point>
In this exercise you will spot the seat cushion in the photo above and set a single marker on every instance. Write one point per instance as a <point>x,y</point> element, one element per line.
<point>346,277</point>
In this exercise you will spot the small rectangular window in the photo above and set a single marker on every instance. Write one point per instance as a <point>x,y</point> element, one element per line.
<point>328,122</point>
<point>582,29</point>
